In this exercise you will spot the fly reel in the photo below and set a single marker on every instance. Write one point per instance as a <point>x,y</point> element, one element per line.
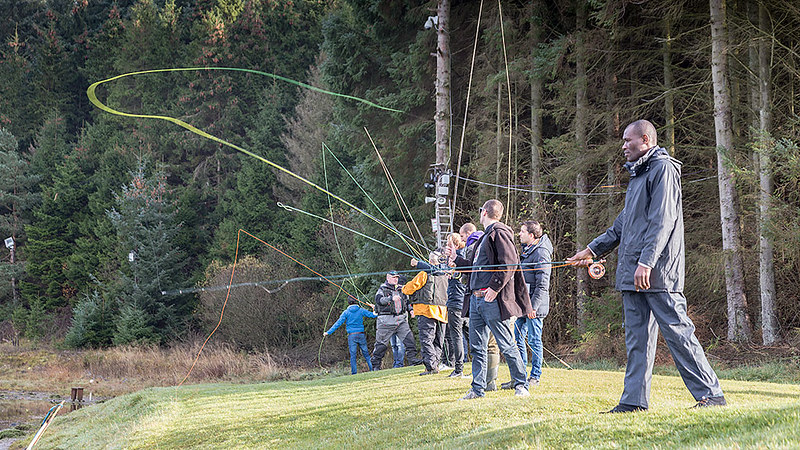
<point>597,270</point>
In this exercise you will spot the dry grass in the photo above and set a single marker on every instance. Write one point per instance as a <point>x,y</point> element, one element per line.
<point>115,371</point>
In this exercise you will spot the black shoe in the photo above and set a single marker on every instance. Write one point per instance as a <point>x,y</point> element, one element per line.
<point>507,385</point>
<point>711,401</point>
<point>456,374</point>
<point>415,362</point>
<point>430,372</point>
<point>623,408</point>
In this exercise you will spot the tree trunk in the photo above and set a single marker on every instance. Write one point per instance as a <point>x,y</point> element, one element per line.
<point>536,121</point>
<point>738,320</point>
<point>669,105</point>
<point>498,141</point>
<point>442,116</point>
<point>581,145</point>
<point>613,137</point>
<point>769,318</point>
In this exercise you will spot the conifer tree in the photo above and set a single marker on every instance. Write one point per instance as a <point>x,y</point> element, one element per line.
<point>144,222</point>
<point>16,201</point>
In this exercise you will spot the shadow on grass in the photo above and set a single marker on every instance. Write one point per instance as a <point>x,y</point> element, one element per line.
<point>762,393</point>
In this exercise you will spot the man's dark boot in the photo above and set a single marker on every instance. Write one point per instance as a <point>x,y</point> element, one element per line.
<point>623,408</point>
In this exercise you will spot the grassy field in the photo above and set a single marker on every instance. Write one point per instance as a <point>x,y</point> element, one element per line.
<point>397,408</point>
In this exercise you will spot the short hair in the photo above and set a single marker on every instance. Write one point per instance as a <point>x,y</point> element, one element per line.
<point>645,128</point>
<point>351,300</point>
<point>494,209</point>
<point>534,228</point>
<point>468,228</point>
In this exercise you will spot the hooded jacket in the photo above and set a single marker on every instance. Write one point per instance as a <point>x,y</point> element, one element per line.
<point>353,318</point>
<point>649,230</point>
<point>538,257</point>
<point>433,291</point>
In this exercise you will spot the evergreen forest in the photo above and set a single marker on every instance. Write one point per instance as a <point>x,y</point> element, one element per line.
<point>123,229</point>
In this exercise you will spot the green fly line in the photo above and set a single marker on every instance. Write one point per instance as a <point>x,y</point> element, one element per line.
<point>91,93</point>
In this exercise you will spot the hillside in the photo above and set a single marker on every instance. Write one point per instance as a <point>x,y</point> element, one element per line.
<point>397,408</point>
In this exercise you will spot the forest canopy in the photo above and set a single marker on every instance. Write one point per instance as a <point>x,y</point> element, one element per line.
<point>106,212</point>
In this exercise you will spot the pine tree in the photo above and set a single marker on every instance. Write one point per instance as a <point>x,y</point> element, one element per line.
<point>144,222</point>
<point>92,324</point>
<point>16,201</point>
<point>52,236</point>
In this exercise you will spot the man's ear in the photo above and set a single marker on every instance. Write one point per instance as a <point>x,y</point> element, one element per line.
<point>646,139</point>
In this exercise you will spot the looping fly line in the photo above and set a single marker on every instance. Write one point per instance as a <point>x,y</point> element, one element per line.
<point>92,94</point>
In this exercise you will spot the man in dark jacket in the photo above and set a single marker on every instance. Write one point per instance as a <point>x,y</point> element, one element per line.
<point>392,308</point>
<point>650,273</point>
<point>497,294</point>
<point>535,259</point>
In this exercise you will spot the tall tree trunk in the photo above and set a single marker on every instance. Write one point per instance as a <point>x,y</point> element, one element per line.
<point>613,136</point>
<point>669,105</point>
<point>738,320</point>
<point>536,118</point>
<point>581,144</point>
<point>498,141</point>
<point>769,318</point>
<point>442,116</point>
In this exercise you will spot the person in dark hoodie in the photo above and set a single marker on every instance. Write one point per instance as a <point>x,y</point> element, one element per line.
<point>353,318</point>
<point>455,304</point>
<point>497,293</point>
<point>535,259</point>
<point>470,235</point>
<point>651,272</point>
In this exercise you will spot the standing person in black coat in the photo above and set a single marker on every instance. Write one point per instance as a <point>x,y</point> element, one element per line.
<point>455,304</point>
<point>650,273</point>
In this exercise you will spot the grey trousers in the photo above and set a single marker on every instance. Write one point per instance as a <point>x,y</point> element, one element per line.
<point>644,312</point>
<point>386,326</point>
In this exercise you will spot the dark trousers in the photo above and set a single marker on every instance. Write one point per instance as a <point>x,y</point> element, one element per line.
<point>431,340</point>
<point>455,327</point>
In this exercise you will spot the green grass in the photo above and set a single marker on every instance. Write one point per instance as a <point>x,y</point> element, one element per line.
<point>397,408</point>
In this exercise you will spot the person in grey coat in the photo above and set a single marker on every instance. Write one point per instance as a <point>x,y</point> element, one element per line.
<point>650,273</point>
<point>536,256</point>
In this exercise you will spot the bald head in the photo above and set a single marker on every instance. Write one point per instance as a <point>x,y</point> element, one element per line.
<point>644,128</point>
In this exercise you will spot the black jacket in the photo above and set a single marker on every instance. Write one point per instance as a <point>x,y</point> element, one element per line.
<point>384,305</point>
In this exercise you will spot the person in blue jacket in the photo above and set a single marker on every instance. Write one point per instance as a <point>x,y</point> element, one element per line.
<point>353,318</point>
